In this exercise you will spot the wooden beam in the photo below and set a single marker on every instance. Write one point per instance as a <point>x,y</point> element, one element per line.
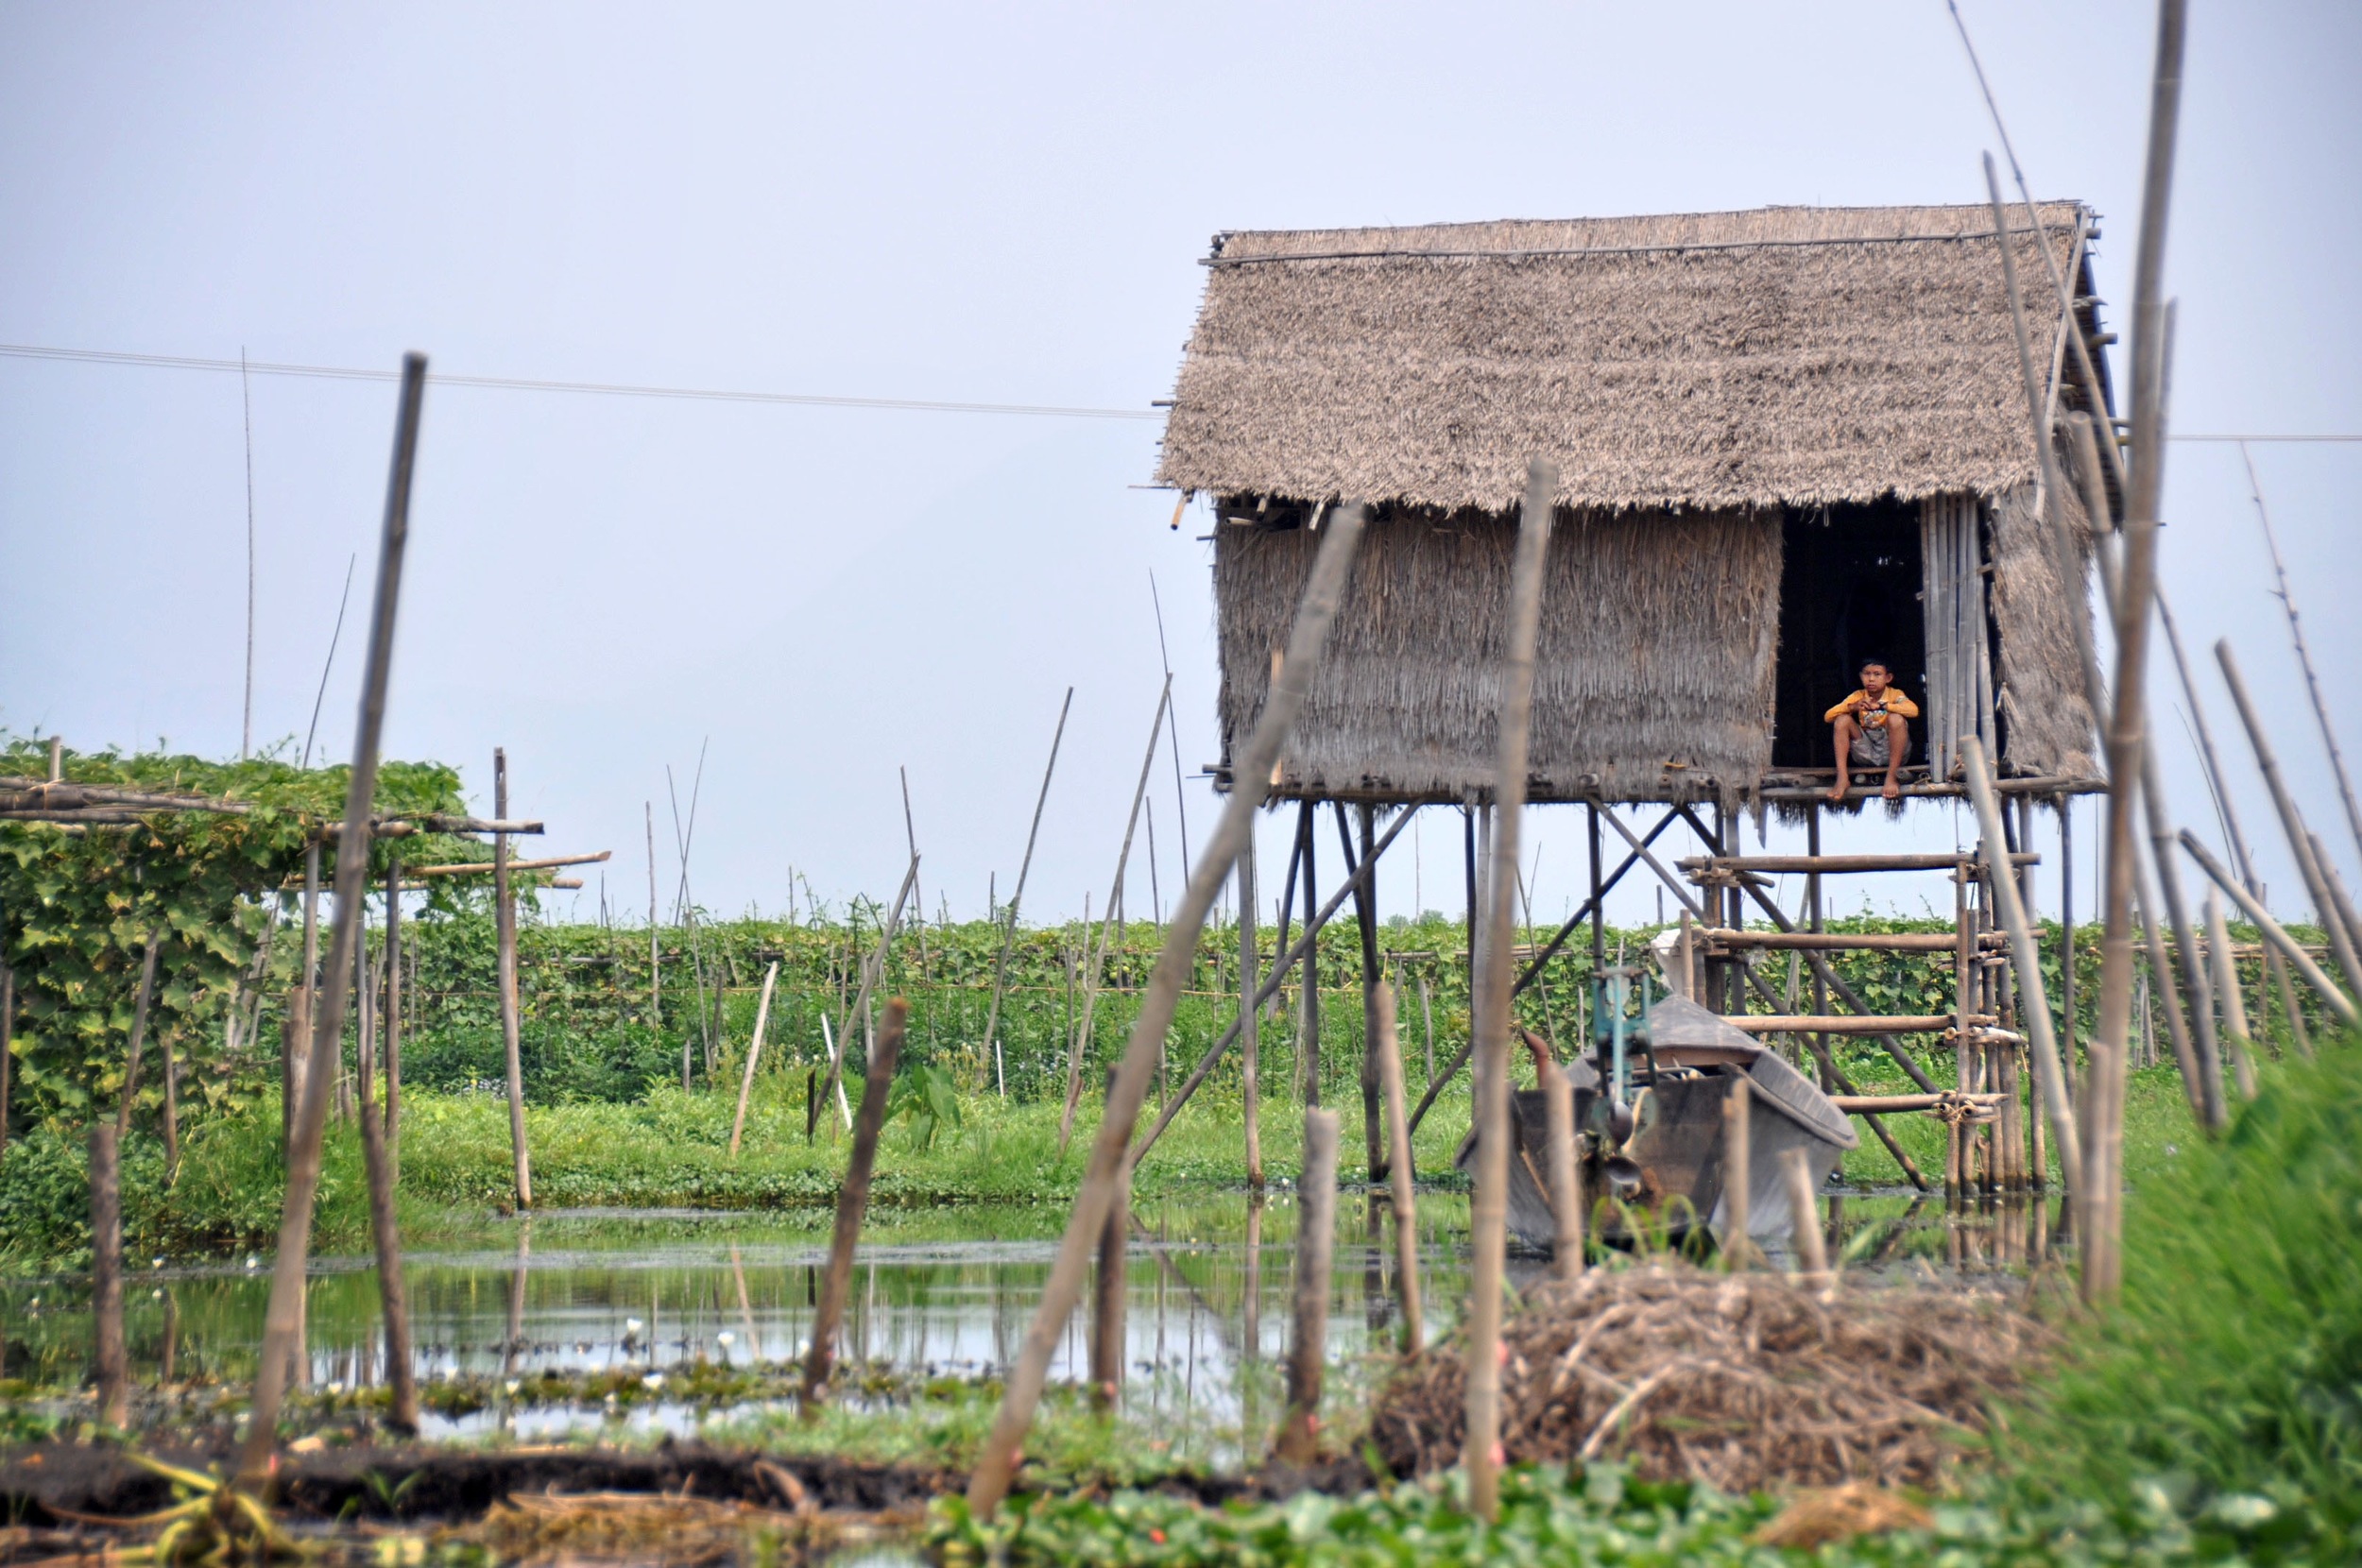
<point>1831,864</point>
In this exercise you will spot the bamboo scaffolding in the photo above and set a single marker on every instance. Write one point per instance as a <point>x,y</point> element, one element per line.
<point>505,930</point>
<point>2336,1000</point>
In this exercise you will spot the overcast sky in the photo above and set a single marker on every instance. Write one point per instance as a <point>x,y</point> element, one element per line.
<point>1000,204</point>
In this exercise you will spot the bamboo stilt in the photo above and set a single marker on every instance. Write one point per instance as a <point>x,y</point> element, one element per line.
<point>1738,1165</point>
<point>1307,1352</point>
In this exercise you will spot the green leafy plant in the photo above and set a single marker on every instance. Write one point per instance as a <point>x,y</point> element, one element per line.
<point>928,1101</point>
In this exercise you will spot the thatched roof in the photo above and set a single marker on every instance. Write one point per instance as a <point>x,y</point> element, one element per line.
<point>1791,355</point>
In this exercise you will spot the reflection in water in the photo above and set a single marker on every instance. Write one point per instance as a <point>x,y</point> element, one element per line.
<point>940,1293</point>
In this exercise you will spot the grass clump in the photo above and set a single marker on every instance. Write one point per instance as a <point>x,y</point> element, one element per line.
<point>2224,1397</point>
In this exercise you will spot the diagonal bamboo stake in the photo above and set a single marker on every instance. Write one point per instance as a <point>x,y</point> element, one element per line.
<point>2101,1193</point>
<point>852,1204</point>
<point>139,1029</point>
<point>2299,842</point>
<point>1107,931</point>
<point>2234,1023</point>
<point>284,1314</point>
<point>2304,654</point>
<point>872,971</point>
<point>2034,1007</point>
<point>1003,1448</point>
<point>754,1055</point>
<point>1008,934</point>
<point>2274,932</point>
<point>1489,1212</point>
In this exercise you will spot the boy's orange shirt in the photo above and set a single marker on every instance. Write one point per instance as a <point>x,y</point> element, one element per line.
<point>1893,701</point>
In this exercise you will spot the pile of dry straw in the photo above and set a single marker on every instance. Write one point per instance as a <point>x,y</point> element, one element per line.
<point>1744,1381</point>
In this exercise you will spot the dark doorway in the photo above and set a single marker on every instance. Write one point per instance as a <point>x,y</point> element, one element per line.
<point>1849,591</point>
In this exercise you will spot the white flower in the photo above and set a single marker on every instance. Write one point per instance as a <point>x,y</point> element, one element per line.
<point>726,1337</point>
<point>512,1385</point>
<point>155,1295</point>
<point>633,1325</point>
<point>335,1387</point>
<point>2244,1510</point>
<point>253,1262</point>
<point>158,1263</point>
<point>653,1381</point>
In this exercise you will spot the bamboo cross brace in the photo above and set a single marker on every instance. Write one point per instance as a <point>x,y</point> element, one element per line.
<point>1269,989</point>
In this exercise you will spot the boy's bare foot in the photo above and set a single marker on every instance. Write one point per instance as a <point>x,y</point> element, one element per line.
<point>1893,790</point>
<point>1836,793</point>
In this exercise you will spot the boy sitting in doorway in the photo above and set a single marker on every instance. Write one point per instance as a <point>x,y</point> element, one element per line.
<point>1871,731</point>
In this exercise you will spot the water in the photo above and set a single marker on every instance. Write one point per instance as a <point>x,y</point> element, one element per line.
<point>947,1292</point>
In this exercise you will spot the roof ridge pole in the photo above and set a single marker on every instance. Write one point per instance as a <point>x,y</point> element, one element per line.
<point>2104,1155</point>
<point>1003,1448</point>
<point>1481,1455</point>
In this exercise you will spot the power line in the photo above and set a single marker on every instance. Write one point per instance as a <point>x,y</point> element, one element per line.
<point>611,389</point>
<point>695,394</point>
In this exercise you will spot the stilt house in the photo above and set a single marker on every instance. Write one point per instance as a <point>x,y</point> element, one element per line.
<point>1787,440</point>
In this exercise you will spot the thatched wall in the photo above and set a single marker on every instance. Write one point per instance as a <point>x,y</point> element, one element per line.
<point>1793,356</point>
<point>2047,722</point>
<point>1654,667</point>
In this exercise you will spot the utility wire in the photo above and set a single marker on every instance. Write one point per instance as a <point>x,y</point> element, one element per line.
<point>611,389</point>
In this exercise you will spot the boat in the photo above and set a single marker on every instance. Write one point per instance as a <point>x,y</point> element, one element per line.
<point>1650,1102</point>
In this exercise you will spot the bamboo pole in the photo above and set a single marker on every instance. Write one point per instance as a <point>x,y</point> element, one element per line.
<point>284,1318</point>
<point>1489,1211</point>
<point>8,1048</point>
<point>393,1018</point>
<point>1739,1172</point>
<point>655,962</point>
<point>1373,982</point>
<point>1008,934</point>
<point>1002,1450</point>
<point>1097,962</point>
<point>852,1204</point>
<point>2100,1197</point>
<point>106,1275</point>
<point>1106,1345</point>
<point>1316,1241</point>
<point>1250,1005</point>
<point>385,1238</point>
<point>1309,993</point>
<point>2027,955</point>
<point>1401,1170</point>
<point>505,930</point>
<point>172,1106</point>
<point>2234,1026</point>
<point>2336,1000</point>
<point>2291,820</point>
<point>2304,654</point>
<point>2241,858</point>
<point>1565,1174</point>
<point>1805,1214</point>
<point>754,1053</point>
<point>143,997</point>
